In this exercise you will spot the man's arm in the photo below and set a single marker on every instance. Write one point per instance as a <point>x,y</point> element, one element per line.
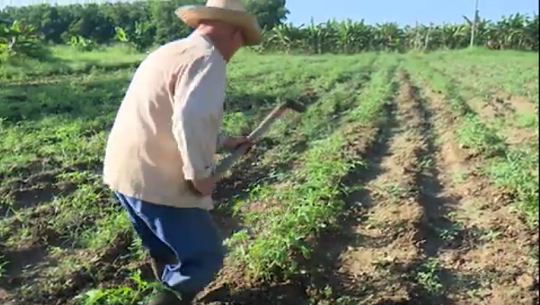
<point>198,107</point>
<point>221,139</point>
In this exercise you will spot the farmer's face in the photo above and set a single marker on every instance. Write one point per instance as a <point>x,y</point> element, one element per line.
<point>239,38</point>
<point>236,39</point>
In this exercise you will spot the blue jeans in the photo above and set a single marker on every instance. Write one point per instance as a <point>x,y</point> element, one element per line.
<point>189,234</point>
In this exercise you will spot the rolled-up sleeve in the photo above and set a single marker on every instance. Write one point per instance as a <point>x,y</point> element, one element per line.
<point>197,115</point>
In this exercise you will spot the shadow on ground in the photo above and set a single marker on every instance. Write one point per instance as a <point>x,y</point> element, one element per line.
<point>332,244</point>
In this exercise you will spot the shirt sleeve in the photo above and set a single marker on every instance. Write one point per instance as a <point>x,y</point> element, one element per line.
<point>197,115</point>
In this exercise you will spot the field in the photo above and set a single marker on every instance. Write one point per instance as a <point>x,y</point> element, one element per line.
<point>411,179</point>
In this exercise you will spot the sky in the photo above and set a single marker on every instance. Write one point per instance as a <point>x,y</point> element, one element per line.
<point>377,11</point>
<point>404,12</point>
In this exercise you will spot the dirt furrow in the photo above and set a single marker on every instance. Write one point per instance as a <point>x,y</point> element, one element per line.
<point>519,103</point>
<point>231,285</point>
<point>435,200</point>
<point>487,256</point>
<point>107,268</point>
<point>382,234</point>
<point>506,111</point>
<point>512,115</point>
<point>380,265</point>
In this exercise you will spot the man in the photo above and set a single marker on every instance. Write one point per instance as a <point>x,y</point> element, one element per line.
<point>161,148</point>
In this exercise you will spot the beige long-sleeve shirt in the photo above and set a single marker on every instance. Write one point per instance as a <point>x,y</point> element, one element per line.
<point>167,127</point>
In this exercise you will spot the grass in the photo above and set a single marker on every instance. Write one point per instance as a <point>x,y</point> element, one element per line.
<point>63,237</point>
<point>65,59</point>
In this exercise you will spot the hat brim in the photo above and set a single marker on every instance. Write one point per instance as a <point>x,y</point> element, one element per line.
<point>193,14</point>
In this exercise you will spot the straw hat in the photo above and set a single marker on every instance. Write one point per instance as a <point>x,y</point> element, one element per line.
<point>229,11</point>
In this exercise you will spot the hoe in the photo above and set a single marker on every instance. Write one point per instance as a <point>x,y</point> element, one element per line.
<point>228,161</point>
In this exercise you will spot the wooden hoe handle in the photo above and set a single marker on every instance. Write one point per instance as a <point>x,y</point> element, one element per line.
<point>228,161</point>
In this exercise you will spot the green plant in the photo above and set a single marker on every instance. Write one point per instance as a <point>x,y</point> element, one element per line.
<point>141,38</point>
<point>18,39</point>
<point>428,277</point>
<point>362,184</point>
<point>122,295</point>
<point>516,31</point>
<point>512,32</point>
<point>82,44</point>
<point>313,202</point>
<point>515,168</point>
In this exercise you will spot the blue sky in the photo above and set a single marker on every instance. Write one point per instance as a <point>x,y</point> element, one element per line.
<point>404,12</point>
<point>375,11</point>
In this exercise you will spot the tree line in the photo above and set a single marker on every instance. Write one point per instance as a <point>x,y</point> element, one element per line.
<point>515,31</point>
<point>98,22</point>
<point>147,23</point>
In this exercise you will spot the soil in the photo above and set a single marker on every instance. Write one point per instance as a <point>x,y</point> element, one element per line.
<point>519,103</point>
<point>496,248</point>
<point>423,227</point>
<point>426,228</point>
<point>504,107</point>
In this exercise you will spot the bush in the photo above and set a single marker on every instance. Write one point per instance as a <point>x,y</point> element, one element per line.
<point>83,44</point>
<point>141,38</point>
<point>19,40</point>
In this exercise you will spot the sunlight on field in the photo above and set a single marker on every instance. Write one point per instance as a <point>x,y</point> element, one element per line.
<point>410,178</point>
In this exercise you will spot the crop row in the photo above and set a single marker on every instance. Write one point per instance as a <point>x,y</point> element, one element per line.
<point>510,167</point>
<point>311,200</point>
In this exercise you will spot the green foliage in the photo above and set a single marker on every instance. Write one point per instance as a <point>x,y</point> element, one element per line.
<point>518,171</point>
<point>270,13</point>
<point>82,44</point>
<point>513,32</point>
<point>141,38</point>
<point>363,161</point>
<point>514,168</point>
<point>141,21</point>
<point>154,22</point>
<point>122,295</point>
<point>18,39</point>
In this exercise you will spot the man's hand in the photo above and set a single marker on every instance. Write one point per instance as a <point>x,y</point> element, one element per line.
<point>204,186</point>
<point>232,143</point>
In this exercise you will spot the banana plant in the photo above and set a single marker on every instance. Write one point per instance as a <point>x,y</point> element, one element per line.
<point>140,38</point>
<point>18,39</point>
<point>515,31</point>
